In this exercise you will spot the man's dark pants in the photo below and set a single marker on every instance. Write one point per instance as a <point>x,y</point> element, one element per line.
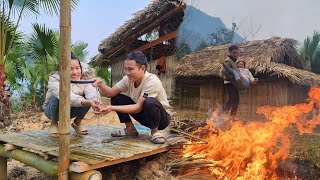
<point>153,115</point>
<point>233,100</point>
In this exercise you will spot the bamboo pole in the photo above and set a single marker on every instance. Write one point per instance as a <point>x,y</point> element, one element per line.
<point>64,96</point>
<point>47,166</point>
<point>3,168</point>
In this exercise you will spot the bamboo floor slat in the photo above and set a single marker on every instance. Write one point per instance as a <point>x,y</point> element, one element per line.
<point>88,149</point>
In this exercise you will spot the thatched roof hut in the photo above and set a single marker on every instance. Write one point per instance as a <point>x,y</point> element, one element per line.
<point>152,30</point>
<point>276,57</point>
<point>167,14</point>
<point>283,74</point>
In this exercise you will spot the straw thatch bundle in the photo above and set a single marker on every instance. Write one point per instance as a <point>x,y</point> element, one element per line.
<point>275,57</point>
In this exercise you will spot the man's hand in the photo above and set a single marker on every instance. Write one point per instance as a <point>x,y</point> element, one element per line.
<point>98,82</point>
<point>103,109</point>
<point>106,109</point>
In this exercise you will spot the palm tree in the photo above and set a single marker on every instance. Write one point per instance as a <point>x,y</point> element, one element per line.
<point>103,73</point>
<point>310,51</point>
<point>8,29</point>
<point>43,48</point>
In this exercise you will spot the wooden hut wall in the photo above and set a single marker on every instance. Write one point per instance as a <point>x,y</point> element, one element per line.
<point>297,93</point>
<point>117,68</point>
<point>205,95</point>
<point>267,92</point>
<point>167,79</point>
<point>273,92</point>
<point>211,95</point>
<point>187,94</point>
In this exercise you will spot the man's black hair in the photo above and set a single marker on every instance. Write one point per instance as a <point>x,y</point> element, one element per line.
<point>233,47</point>
<point>139,57</point>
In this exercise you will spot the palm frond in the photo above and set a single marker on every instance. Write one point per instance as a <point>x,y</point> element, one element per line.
<point>79,49</point>
<point>41,42</point>
<point>310,51</point>
<point>52,7</point>
<point>10,29</point>
<point>103,73</point>
<point>28,7</point>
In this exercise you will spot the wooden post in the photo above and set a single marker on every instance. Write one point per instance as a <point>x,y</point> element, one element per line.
<point>64,95</point>
<point>3,168</point>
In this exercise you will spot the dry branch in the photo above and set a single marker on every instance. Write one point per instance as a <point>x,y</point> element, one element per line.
<point>188,134</point>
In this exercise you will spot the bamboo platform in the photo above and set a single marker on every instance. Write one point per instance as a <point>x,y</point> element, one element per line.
<point>87,152</point>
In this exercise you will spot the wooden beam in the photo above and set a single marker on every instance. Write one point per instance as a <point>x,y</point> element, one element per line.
<point>3,168</point>
<point>83,167</point>
<point>64,89</point>
<point>157,41</point>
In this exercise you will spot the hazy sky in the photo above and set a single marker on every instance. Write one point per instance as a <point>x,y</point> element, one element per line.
<point>286,18</point>
<point>94,20</point>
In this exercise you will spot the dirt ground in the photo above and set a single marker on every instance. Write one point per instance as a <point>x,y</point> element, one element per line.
<point>38,121</point>
<point>304,146</point>
<point>152,168</point>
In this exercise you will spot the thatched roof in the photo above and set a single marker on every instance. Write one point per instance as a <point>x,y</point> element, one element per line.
<point>275,56</point>
<point>155,9</point>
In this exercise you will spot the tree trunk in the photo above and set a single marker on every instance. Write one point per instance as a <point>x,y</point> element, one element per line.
<point>3,77</point>
<point>4,100</point>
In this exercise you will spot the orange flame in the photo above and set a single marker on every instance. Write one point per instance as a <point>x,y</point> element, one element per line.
<point>253,150</point>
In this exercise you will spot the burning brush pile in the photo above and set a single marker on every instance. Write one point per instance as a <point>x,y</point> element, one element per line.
<point>256,150</point>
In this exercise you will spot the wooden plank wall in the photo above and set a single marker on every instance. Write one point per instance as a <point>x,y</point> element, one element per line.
<point>187,94</point>
<point>272,92</point>
<point>211,95</point>
<point>266,92</point>
<point>117,69</point>
<point>297,93</point>
<point>167,79</point>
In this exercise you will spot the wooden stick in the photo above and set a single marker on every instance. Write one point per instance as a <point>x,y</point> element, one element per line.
<point>187,134</point>
<point>3,168</point>
<point>192,164</point>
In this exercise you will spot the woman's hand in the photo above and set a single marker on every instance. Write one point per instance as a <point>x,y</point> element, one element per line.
<point>96,105</point>
<point>255,81</point>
